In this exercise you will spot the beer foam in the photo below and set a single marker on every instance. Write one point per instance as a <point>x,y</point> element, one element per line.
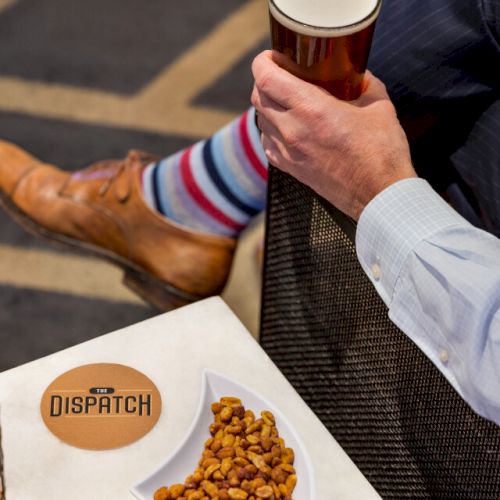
<point>325,17</point>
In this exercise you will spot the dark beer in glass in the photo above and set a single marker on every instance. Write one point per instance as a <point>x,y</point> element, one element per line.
<point>325,42</point>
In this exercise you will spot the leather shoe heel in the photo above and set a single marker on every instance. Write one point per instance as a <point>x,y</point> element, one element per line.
<point>157,293</point>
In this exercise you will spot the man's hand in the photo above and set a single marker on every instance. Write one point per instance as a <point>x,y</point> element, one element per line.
<point>348,152</point>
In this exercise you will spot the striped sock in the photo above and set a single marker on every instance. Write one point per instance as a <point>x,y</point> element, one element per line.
<point>215,186</point>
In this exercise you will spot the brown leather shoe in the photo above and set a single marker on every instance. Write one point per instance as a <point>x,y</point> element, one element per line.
<point>101,210</point>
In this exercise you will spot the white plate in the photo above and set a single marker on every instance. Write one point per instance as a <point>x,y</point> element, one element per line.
<point>185,459</point>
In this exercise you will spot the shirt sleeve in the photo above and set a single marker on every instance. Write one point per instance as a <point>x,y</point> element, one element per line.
<point>440,278</point>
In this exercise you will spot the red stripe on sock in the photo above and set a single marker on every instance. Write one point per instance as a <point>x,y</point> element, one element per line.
<point>197,194</point>
<point>247,146</point>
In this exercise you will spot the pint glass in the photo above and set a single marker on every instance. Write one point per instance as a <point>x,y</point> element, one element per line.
<point>325,42</point>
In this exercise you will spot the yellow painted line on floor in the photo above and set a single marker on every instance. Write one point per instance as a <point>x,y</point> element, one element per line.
<point>163,106</point>
<point>62,273</point>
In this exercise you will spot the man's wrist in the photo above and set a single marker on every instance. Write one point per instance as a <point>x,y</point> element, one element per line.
<point>393,224</point>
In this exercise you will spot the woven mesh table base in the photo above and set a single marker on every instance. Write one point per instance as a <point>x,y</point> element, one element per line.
<point>386,404</point>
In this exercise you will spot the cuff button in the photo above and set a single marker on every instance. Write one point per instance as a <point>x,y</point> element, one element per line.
<point>444,356</point>
<point>376,272</point>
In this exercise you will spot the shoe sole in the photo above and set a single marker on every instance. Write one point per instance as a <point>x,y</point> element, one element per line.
<point>160,294</point>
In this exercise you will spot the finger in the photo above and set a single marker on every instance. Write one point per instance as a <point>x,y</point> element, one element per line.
<point>272,152</point>
<point>262,102</point>
<point>285,129</point>
<point>270,131</point>
<point>269,109</point>
<point>274,145</point>
<point>278,84</point>
<point>373,90</point>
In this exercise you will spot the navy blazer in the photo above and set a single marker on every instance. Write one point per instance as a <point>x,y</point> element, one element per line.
<point>440,60</point>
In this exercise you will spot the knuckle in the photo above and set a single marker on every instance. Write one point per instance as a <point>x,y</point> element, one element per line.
<point>254,98</point>
<point>264,81</point>
<point>291,138</point>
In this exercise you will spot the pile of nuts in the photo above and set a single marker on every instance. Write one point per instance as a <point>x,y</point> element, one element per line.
<point>245,459</point>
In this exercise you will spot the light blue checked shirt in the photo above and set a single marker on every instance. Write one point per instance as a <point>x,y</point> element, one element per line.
<point>440,278</point>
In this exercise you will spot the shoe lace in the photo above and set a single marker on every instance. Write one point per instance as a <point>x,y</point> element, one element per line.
<point>115,171</point>
<point>111,179</point>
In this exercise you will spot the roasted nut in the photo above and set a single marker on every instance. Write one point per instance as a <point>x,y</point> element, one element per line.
<point>176,490</point>
<point>255,449</point>
<point>210,470</point>
<point>266,443</point>
<point>276,451</point>
<point>223,494</point>
<point>290,469</point>
<point>266,431</point>
<point>275,488</point>
<point>288,456</point>
<point>216,445</point>
<point>233,429</point>
<point>243,474</point>
<point>246,485</point>
<point>291,481</point>
<point>196,495</point>
<point>207,454</point>
<point>226,452</point>
<point>210,488</point>
<point>216,408</point>
<point>228,440</point>
<point>255,426</point>
<point>242,462</point>
<point>239,411</point>
<point>249,417</point>
<point>257,460</point>
<point>268,418</point>
<point>215,427</point>
<point>258,482</point>
<point>209,462</point>
<point>250,468</point>
<point>234,481</point>
<point>278,475</point>
<point>226,414</point>
<point>267,458</point>
<point>264,492</point>
<point>198,476</point>
<point>253,439</point>
<point>237,494</point>
<point>226,466</point>
<point>229,401</point>
<point>162,494</point>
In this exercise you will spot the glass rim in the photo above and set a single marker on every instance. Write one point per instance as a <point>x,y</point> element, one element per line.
<point>330,28</point>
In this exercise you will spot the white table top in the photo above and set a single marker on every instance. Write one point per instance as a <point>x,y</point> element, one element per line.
<point>173,350</point>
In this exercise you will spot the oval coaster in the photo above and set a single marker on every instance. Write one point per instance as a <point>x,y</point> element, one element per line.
<point>101,406</point>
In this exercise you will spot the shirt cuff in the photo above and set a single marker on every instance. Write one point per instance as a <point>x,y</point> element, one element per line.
<point>393,224</point>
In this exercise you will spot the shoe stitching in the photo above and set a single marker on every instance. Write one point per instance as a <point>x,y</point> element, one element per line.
<point>21,179</point>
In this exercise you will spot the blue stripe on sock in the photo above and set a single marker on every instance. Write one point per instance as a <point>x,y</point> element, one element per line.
<point>156,190</point>
<point>227,173</point>
<point>165,167</point>
<point>219,182</point>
